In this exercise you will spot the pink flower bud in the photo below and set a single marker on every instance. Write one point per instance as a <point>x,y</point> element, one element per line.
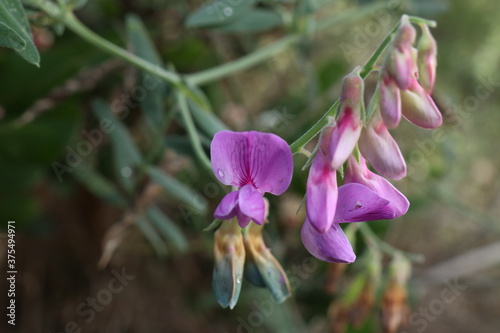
<point>346,132</point>
<point>398,62</point>
<point>389,101</point>
<point>381,150</point>
<point>419,108</point>
<point>427,59</point>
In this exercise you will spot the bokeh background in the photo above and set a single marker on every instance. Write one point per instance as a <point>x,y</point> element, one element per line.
<point>74,233</point>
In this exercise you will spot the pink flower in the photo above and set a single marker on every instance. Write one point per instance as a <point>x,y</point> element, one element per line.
<point>365,196</point>
<point>427,59</point>
<point>254,163</point>
<point>381,150</point>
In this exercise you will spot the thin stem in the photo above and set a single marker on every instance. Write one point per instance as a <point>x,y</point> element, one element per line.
<point>85,33</point>
<point>372,239</point>
<point>365,71</point>
<point>192,132</point>
<point>262,54</point>
<point>267,52</point>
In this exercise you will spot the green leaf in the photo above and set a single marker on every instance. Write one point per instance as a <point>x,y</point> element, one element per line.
<point>152,105</point>
<point>98,184</point>
<point>254,21</point>
<point>216,13</point>
<point>178,190</point>
<point>126,155</point>
<point>151,235</point>
<point>15,31</point>
<point>167,227</point>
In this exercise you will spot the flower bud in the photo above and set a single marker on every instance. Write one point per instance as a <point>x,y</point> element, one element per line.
<point>394,308</point>
<point>398,62</point>
<point>427,59</point>
<point>346,132</point>
<point>381,150</point>
<point>262,269</point>
<point>229,255</point>
<point>389,101</point>
<point>419,108</point>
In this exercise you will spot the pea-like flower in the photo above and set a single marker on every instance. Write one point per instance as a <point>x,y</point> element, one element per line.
<point>254,163</point>
<point>365,196</point>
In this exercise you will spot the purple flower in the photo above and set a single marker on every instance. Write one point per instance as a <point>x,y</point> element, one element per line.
<point>321,196</point>
<point>254,163</point>
<point>365,196</point>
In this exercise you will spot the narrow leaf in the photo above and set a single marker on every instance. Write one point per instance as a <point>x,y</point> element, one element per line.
<point>216,13</point>
<point>167,227</point>
<point>155,89</point>
<point>151,235</point>
<point>178,190</point>
<point>126,155</point>
<point>98,184</point>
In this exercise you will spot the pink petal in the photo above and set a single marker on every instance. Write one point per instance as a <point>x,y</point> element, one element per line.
<point>344,137</point>
<point>390,102</point>
<point>321,196</point>
<point>229,154</point>
<point>331,246</point>
<point>358,203</point>
<point>261,159</point>
<point>227,207</point>
<point>251,204</point>
<point>271,163</point>
<point>359,173</point>
<point>381,150</point>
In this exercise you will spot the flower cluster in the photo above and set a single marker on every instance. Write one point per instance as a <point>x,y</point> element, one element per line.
<point>365,195</point>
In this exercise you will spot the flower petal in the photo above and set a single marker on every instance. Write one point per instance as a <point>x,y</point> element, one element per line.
<point>270,162</point>
<point>358,203</point>
<point>390,102</point>
<point>381,150</point>
<point>321,196</point>
<point>359,173</point>
<point>227,207</point>
<point>251,204</point>
<point>331,246</point>
<point>229,154</point>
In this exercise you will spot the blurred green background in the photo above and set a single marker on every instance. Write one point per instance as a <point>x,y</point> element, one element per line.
<point>140,199</point>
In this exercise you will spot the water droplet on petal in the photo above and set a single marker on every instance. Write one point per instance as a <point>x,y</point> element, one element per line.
<point>220,173</point>
<point>358,204</point>
<point>228,11</point>
<point>238,279</point>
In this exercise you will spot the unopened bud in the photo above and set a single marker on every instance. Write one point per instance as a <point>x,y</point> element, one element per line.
<point>262,269</point>
<point>389,101</point>
<point>419,108</point>
<point>398,62</point>
<point>229,255</point>
<point>394,308</point>
<point>380,149</point>
<point>345,134</point>
<point>427,59</point>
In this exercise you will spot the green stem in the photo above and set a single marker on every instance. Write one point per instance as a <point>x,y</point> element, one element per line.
<point>192,132</point>
<point>372,239</point>
<point>367,68</point>
<point>85,33</point>
<point>262,54</point>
